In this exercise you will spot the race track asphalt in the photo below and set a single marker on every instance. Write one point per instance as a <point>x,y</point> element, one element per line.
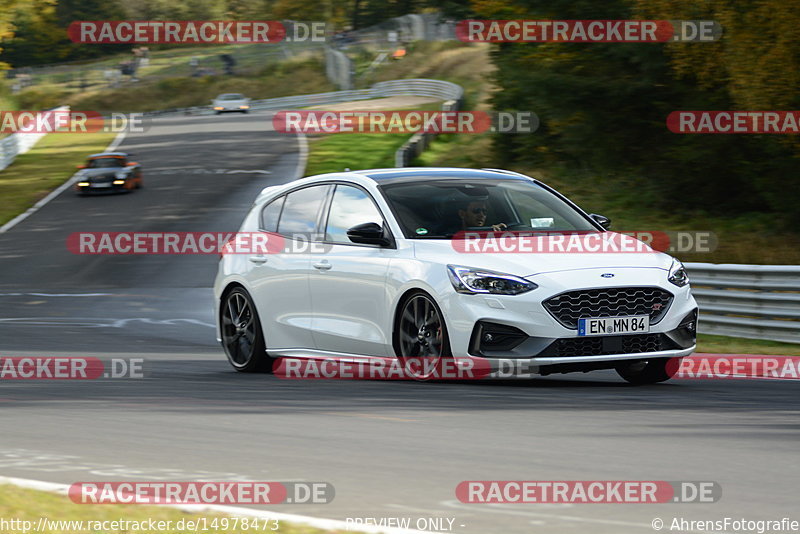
<point>390,449</point>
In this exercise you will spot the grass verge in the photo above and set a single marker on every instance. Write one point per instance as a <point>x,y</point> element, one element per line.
<point>337,152</point>
<point>47,165</point>
<point>467,65</point>
<point>29,505</point>
<point>738,345</point>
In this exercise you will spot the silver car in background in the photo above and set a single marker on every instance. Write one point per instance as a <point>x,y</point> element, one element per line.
<point>231,102</point>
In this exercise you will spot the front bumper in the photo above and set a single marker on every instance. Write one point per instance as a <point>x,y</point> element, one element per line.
<point>98,188</point>
<point>530,367</point>
<point>523,329</point>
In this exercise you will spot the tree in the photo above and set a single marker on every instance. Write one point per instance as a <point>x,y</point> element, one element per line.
<point>603,106</point>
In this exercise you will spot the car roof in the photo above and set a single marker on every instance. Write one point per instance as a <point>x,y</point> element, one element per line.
<point>109,155</point>
<point>396,175</point>
<point>410,174</point>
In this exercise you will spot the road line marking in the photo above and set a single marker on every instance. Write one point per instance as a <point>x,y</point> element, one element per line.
<point>370,416</point>
<point>116,142</point>
<point>92,322</point>
<point>56,294</point>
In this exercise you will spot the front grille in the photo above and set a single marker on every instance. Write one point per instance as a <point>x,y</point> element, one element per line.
<point>641,343</point>
<point>605,345</point>
<point>589,346</point>
<point>568,307</point>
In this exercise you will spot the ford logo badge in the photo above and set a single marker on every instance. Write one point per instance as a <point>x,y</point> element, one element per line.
<point>607,275</point>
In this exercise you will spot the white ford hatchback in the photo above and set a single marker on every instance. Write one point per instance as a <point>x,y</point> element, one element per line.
<point>449,263</point>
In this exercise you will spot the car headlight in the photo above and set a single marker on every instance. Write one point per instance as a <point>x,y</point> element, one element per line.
<point>677,274</point>
<point>469,280</point>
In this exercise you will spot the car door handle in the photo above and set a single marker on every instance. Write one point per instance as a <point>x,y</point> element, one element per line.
<point>258,259</point>
<point>323,266</point>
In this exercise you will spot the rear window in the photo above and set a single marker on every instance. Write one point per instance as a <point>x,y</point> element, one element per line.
<point>270,215</point>
<point>301,211</point>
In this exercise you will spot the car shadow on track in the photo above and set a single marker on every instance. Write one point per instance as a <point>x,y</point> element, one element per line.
<point>185,384</point>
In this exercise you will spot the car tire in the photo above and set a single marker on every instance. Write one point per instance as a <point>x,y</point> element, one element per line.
<point>241,333</point>
<point>642,373</point>
<point>414,339</point>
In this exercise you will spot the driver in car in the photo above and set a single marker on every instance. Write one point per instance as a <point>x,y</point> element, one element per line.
<point>473,214</point>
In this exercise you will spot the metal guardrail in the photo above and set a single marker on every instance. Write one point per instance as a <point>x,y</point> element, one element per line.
<point>19,143</point>
<point>339,68</point>
<point>751,301</point>
<point>414,87</point>
<point>415,146</point>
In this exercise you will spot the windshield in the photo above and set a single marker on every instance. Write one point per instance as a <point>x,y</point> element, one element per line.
<point>105,163</point>
<point>440,209</point>
<point>231,96</point>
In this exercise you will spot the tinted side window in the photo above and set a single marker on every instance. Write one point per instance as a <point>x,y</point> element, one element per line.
<point>350,206</point>
<point>270,214</point>
<point>301,209</point>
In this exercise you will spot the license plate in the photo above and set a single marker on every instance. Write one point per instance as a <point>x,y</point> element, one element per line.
<point>603,326</point>
<point>101,185</point>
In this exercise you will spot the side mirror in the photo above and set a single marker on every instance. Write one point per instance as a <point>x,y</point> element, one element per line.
<point>369,234</point>
<point>80,167</point>
<point>605,222</point>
